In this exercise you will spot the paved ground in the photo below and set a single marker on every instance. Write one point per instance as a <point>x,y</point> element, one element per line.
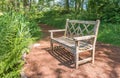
<point>42,63</point>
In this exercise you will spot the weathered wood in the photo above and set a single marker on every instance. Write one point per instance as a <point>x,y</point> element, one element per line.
<point>84,60</point>
<point>77,55</point>
<point>65,34</point>
<point>93,55</point>
<point>76,34</point>
<point>84,22</point>
<point>83,37</point>
<point>51,43</point>
<point>96,33</point>
<point>59,30</point>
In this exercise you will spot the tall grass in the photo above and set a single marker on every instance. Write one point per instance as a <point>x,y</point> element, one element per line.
<point>15,37</point>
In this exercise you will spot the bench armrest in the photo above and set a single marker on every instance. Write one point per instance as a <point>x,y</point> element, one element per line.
<point>52,31</point>
<point>83,37</point>
<point>58,30</point>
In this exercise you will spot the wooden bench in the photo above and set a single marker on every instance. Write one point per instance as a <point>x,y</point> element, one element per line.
<point>79,36</point>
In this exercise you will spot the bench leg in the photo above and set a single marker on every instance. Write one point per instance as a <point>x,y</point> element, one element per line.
<point>76,60</point>
<point>51,43</point>
<point>93,56</point>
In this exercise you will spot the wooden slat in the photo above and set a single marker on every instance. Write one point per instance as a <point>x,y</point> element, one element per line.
<point>65,41</point>
<point>84,37</point>
<point>71,44</point>
<point>58,30</point>
<point>80,21</point>
<point>81,51</point>
<point>86,27</point>
<point>84,60</point>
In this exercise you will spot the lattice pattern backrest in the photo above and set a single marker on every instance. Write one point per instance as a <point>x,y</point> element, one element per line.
<point>76,28</point>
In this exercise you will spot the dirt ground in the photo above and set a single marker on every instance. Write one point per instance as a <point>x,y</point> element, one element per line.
<point>42,63</point>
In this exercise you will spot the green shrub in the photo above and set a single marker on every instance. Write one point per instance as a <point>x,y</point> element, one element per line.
<point>109,33</point>
<point>16,34</point>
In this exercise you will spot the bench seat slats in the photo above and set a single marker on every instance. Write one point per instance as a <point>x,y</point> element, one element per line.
<point>71,44</point>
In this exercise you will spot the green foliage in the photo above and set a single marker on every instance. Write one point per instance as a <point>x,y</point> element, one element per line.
<point>111,14</point>
<point>16,34</point>
<point>48,17</point>
<point>18,30</point>
<point>108,32</point>
<point>55,18</point>
<point>106,10</point>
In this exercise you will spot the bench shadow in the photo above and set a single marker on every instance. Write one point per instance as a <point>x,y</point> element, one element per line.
<point>62,55</point>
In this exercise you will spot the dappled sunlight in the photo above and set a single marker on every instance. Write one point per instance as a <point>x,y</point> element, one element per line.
<point>60,62</point>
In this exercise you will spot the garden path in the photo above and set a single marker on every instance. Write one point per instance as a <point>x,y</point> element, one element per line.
<point>42,63</point>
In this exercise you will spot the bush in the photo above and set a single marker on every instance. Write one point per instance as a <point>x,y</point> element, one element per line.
<point>109,33</point>
<point>15,37</point>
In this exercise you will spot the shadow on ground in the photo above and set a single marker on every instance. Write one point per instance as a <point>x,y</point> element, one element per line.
<point>41,62</point>
<point>62,55</point>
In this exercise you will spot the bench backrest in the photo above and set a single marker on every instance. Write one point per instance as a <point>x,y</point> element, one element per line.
<point>76,28</point>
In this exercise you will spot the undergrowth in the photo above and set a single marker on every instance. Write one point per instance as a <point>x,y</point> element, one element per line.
<point>16,34</point>
<point>109,33</point>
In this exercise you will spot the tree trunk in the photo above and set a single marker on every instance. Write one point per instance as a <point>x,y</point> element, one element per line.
<point>2,5</point>
<point>30,4</point>
<point>25,3</point>
<point>67,5</point>
<point>82,4</point>
<point>77,6</point>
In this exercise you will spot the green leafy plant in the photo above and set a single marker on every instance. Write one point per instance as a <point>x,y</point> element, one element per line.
<point>16,34</point>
